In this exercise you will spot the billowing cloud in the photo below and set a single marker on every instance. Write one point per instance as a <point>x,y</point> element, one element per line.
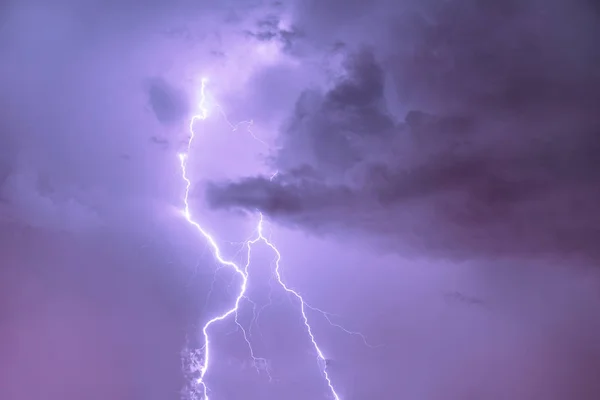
<point>500,158</point>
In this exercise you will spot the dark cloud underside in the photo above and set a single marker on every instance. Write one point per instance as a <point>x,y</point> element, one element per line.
<point>500,158</point>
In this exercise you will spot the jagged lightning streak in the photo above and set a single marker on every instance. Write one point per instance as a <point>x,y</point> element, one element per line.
<point>213,244</point>
<point>243,272</point>
<point>321,357</point>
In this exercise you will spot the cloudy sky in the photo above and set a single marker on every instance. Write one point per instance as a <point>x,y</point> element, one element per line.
<point>436,189</point>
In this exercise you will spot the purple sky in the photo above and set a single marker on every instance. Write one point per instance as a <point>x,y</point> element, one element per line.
<point>437,191</point>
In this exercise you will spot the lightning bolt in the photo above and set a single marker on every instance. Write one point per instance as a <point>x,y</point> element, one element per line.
<point>202,365</point>
<point>303,306</point>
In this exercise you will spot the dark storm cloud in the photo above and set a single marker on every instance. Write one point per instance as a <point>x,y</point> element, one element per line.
<point>501,156</point>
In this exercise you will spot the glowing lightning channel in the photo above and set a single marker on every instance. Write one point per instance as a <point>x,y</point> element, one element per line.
<point>243,272</point>
<point>321,357</point>
<point>216,251</point>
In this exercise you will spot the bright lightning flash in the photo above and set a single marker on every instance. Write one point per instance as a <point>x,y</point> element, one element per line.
<point>242,272</point>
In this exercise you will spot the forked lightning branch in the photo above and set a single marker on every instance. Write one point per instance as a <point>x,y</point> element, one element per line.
<point>205,359</point>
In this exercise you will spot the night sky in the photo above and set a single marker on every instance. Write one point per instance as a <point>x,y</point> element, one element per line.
<point>437,189</point>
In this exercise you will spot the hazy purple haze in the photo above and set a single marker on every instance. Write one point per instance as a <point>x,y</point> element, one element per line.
<point>437,190</point>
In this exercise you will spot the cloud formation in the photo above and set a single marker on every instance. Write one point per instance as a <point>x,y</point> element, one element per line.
<point>445,128</point>
<point>499,157</point>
